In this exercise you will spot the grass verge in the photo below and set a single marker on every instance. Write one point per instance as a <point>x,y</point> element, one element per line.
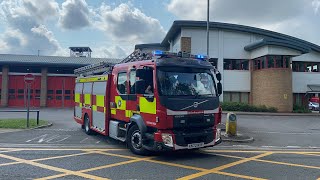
<point>20,123</point>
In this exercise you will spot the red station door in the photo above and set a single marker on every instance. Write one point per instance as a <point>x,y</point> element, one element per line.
<point>17,91</point>
<point>60,91</point>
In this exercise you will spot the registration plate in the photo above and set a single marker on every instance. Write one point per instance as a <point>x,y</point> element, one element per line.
<point>195,145</point>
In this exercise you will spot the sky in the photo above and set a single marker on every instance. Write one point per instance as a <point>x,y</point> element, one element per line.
<point>111,28</point>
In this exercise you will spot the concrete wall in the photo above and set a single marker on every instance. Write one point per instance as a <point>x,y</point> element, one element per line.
<point>237,81</point>
<point>310,57</point>
<point>4,85</point>
<point>273,50</point>
<point>302,79</point>
<point>199,41</point>
<point>44,87</point>
<point>272,87</point>
<point>176,46</point>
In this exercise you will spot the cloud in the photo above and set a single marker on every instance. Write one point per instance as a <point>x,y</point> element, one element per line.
<point>316,5</point>
<point>41,9</point>
<point>25,32</point>
<point>111,52</point>
<point>128,24</point>
<point>296,18</point>
<point>75,14</point>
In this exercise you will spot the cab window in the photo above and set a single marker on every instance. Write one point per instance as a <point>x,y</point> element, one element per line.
<point>122,83</point>
<point>132,78</point>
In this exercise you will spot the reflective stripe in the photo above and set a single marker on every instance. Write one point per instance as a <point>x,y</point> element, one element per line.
<point>92,79</point>
<point>87,99</point>
<point>77,98</point>
<point>100,100</point>
<point>146,106</point>
<point>129,113</point>
<point>94,108</point>
<point>121,104</point>
<point>113,111</point>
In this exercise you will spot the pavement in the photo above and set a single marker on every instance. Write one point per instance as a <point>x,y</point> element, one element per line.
<point>285,147</point>
<point>314,113</point>
<point>118,163</point>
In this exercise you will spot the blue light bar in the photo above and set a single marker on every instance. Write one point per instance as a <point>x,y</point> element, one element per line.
<point>199,56</point>
<point>158,53</point>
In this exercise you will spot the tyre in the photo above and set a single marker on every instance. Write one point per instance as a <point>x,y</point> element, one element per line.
<point>134,141</point>
<point>87,129</point>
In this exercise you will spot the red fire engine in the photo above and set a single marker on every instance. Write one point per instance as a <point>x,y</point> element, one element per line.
<point>152,101</point>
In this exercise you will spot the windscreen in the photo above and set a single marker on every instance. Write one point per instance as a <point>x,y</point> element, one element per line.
<point>185,82</point>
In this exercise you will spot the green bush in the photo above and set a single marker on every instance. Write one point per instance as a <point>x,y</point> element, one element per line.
<point>300,109</point>
<point>245,107</point>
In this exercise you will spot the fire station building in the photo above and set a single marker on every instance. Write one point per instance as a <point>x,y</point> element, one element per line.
<point>54,78</point>
<point>258,66</point>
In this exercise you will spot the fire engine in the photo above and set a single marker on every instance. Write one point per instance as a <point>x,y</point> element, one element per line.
<point>155,101</point>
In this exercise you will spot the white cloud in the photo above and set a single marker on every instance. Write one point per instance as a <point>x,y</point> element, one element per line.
<point>110,52</point>
<point>75,14</point>
<point>316,5</point>
<point>128,24</point>
<point>41,9</point>
<point>295,18</point>
<point>25,32</point>
<point>26,26</point>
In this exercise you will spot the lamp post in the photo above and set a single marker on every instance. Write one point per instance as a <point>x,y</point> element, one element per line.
<point>208,28</point>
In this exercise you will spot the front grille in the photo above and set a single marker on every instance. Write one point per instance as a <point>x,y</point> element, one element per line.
<point>193,121</point>
<point>197,139</point>
<point>183,138</point>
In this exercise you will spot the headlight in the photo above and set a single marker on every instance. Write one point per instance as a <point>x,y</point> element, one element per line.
<point>218,133</point>
<point>167,139</point>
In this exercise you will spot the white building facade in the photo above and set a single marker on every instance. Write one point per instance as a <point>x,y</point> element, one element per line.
<point>258,66</point>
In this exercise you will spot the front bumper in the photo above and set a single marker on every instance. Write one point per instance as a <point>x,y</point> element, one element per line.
<point>182,141</point>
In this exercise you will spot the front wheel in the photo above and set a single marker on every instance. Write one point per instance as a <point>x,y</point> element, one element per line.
<point>134,141</point>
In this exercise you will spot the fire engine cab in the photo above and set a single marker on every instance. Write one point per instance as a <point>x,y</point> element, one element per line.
<point>152,101</point>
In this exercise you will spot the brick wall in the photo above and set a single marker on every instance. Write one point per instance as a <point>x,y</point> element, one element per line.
<point>186,44</point>
<point>273,87</point>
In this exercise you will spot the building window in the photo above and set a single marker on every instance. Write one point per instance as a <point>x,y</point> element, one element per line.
<point>236,64</point>
<point>25,69</point>
<point>61,70</point>
<point>298,66</point>
<point>242,97</point>
<point>271,61</point>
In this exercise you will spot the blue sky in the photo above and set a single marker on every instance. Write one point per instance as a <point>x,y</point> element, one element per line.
<point>112,27</point>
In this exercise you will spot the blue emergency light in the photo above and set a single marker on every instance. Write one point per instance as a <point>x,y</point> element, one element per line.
<point>200,57</point>
<point>158,53</point>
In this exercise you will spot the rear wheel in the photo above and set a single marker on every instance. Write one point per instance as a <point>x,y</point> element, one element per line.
<point>134,141</point>
<point>87,125</point>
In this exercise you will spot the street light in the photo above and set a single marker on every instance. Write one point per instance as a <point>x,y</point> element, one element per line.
<point>208,28</point>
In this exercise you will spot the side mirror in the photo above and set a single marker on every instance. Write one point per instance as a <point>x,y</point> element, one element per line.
<point>140,86</point>
<point>219,88</point>
<point>218,76</point>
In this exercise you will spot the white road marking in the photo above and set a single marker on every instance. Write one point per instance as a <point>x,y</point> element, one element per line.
<point>45,138</point>
<point>292,133</point>
<point>84,140</point>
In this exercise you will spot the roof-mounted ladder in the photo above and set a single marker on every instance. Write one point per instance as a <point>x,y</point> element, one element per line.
<point>105,67</point>
<point>137,55</point>
<point>92,69</point>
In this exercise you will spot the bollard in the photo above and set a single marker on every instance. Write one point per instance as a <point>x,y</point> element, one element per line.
<point>231,124</point>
